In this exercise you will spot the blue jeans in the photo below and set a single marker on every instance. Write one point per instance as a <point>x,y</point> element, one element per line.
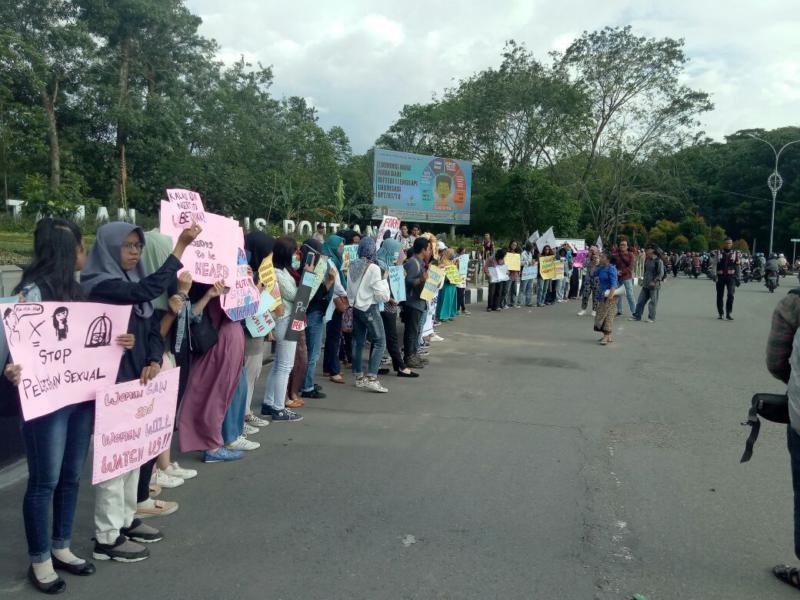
<point>793,443</point>
<point>628,284</point>
<point>315,327</point>
<point>541,294</point>
<point>233,423</point>
<point>367,324</point>
<point>526,290</point>
<point>56,446</point>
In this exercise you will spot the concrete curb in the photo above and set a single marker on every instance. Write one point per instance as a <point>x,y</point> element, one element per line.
<point>13,474</point>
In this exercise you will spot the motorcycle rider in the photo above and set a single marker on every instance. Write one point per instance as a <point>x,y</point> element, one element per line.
<point>772,269</point>
<point>727,264</point>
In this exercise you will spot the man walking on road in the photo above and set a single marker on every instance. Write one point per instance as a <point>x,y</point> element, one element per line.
<point>783,361</point>
<point>625,262</point>
<point>726,264</point>
<point>654,274</point>
<point>414,306</point>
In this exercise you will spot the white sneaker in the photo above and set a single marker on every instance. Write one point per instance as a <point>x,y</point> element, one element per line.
<point>255,421</point>
<point>176,470</point>
<point>165,481</point>
<point>594,313</point>
<point>581,313</point>
<point>249,429</point>
<point>373,385</point>
<point>361,381</point>
<point>437,338</point>
<point>242,443</point>
<point>649,321</point>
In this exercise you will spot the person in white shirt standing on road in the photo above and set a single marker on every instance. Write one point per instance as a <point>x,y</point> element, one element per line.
<point>367,287</point>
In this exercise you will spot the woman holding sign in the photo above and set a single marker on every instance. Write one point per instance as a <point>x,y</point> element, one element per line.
<point>114,274</point>
<point>366,288</point>
<point>56,444</point>
<point>387,257</point>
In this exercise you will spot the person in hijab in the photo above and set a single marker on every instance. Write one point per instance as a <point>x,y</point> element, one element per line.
<point>172,309</point>
<point>446,307</point>
<point>315,319</point>
<point>366,288</point>
<point>331,366</point>
<point>387,257</point>
<point>274,403</point>
<point>346,347</point>
<point>259,246</point>
<point>113,273</point>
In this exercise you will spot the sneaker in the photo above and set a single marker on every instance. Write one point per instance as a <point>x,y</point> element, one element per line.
<point>423,352</point>
<point>155,490</point>
<point>581,313</point>
<point>465,312</point>
<point>649,321</point>
<point>242,443</point>
<point>359,382</point>
<point>255,421</point>
<point>594,313</point>
<point>287,416</point>
<point>155,508</point>
<point>373,385</point>
<point>414,362</point>
<point>122,550</point>
<point>222,455</point>
<point>729,317</point>
<point>176,470</point>
<point>437,338</point>
<point>633,319</point>
<point>267,410</point>
<point>139,532</point>
<point>249,429</point>
<point>164,480</point>
<point>315,393</point>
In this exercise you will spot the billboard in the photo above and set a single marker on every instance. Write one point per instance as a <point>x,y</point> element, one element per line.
<point>424,189</point>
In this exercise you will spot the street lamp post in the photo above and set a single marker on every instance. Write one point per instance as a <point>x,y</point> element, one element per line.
<point>774,181</point>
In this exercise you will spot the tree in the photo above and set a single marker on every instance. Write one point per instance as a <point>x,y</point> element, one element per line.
<point>679,243</point>
<point>698,244</point>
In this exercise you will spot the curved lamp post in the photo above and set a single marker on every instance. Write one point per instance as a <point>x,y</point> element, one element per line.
<point>774,181</point>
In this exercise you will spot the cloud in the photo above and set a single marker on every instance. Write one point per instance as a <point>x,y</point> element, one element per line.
<point>362,61</point>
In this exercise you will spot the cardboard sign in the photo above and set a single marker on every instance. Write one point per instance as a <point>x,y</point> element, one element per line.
<point>513,261</point>
<point>558,272</point>
<point>547,266</point>
<point>213,254</point>
<point>319,274</point>
<point>433,283</point>
<point>267,276</point>
<point>66,350</point>
<point>243,298</point>
<point>498,274</point>
<point>187,208</point>
<point>397,283</point>
<point>349,254</point>
<point>463,265</point>
<point>3,343</point>
<point>262,322</point>
<point>390,224</point>
<point>301,300</point>
<point>133,423</point>
<point>529,272</point>
<point>453,275</point>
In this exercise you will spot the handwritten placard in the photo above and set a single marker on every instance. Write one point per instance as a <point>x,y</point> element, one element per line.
<point>133,423</point>
<point>547,266</point>
<point>349,254</point>
<point>529,272</point>
<point>513,261</point>
<point>433,283</point>
<point>390,224</point>
<point>262,322</point>
<point>453,274</point>
<point>66,350</point>
<point>243,298</point>
<point>397,283</point>
<point>188,208</point>
<point>213,254</point>
<point>558,270</point>
<point>463,265</point>
<point>266,275</point>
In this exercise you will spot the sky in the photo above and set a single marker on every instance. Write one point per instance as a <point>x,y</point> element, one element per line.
<point>359,62</point>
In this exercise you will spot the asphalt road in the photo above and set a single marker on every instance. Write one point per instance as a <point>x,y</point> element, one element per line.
<point>526,463</point>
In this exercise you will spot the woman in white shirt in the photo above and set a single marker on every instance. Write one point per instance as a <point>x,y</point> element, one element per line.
<point>274,403</point>
<point>367,287</point>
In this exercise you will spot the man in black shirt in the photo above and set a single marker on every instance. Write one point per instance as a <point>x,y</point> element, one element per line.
<point>726,263</point>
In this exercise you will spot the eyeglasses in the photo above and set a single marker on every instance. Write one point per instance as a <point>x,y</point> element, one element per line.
<point>131,246</point>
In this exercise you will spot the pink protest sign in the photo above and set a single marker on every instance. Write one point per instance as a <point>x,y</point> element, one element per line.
<point>66,350</point>
<point>580,258</point>
<point>212,256</point>
<point>390,224</point>
<point>133,423</point>
<point>243,297</point>
<point>188,208</point>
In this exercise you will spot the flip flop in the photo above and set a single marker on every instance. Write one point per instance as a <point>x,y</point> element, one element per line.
<point>337,378</point>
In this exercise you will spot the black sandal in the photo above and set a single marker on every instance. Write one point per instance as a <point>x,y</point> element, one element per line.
<point>788,575</point>
<point>83,569</point>
<point>54,587</point>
